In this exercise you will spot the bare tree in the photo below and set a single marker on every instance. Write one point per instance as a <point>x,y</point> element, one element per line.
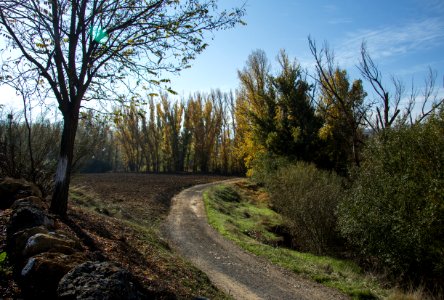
<point>83,47</point>
<point>350,103</point>
<point>27,85</point>
<point>389,108</point>
<point>431,100</point>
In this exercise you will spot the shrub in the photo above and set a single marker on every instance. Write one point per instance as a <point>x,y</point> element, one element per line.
<point>307,198</point>
<point>394,212</point>
<point>265,166</point>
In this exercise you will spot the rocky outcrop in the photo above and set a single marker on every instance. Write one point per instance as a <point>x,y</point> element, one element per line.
<point>28,217</point>
<point>99,280</point>
<point>16,242</point>
<point>56,241</point>
<point>29,201</point>
<point>41,274</point>
<point>12,189</point>
<point>50,262</point>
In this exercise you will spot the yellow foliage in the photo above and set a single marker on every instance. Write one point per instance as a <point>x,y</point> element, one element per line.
<point>326,131</point>
<point>246,147</point>
<point>295,133</point>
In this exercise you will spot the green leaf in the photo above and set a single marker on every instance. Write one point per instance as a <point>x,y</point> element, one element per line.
<point>3,257</point>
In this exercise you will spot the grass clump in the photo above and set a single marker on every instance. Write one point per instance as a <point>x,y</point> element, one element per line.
<point>252,225</point>
<point>227,194</point>
<point>5,267</point>
<point>241,218</point>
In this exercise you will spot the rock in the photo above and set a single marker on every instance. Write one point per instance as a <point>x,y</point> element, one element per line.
<point>41,275</point>
<point>50,242</point>
<point>29,201</point>
<point>100,280</point>
<point>12,189</point>
<point>17,242</point>
<point>28,217</point>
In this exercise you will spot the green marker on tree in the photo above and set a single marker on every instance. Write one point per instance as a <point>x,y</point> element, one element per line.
<point>98,34</point>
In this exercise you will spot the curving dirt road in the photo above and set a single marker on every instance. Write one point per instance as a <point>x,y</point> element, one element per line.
<point>239,274</point>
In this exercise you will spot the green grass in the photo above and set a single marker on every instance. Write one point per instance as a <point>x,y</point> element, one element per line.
<point>89,200</point>
<point>5,267</point>
<point>241,219</point>
<point>250,223</point>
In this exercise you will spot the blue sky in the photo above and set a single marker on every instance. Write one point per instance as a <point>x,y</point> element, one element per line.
<point>404,37</point>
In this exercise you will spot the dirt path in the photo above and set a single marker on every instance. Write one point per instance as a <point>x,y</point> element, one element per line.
<point>239,274</point>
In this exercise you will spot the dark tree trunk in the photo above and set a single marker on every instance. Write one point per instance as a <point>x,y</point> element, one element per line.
<point>59,202</point>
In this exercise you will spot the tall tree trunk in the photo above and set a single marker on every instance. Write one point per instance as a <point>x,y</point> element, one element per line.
<point>59,202</point>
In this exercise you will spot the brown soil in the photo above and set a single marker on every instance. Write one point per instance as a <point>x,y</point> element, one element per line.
<point>117,217</point>
<point>130,208</point>
<point>145,197</point>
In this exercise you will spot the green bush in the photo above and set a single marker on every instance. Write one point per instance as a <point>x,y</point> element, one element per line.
<point>307,198</point>
<point>394,211</point>
<point>265,166</point>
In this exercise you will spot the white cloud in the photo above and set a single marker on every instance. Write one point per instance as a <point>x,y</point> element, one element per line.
<point>392,40</point>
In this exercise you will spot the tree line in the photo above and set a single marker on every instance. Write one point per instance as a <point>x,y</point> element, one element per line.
<point>323,118</point>
<point>196,135</point>
<point>155,134</point>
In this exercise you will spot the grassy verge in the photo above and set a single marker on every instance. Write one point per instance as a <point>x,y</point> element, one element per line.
<point>241,213</point>
<point>134,243</point>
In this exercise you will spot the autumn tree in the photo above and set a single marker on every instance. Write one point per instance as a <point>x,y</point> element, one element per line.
<point>275,113</point>
<point>343,120</point>
<point>296,124</point>
<point>255,107</point>
<point>152,134</point>
<point>16,142</point>
<point>85,48</point>
<point>173,150</point>
<point>341,106</point>
<point>223,158</point>
<point>94,142</point>
<point>127,123</point>
<point>205,123</point>
<point>186,139</point>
